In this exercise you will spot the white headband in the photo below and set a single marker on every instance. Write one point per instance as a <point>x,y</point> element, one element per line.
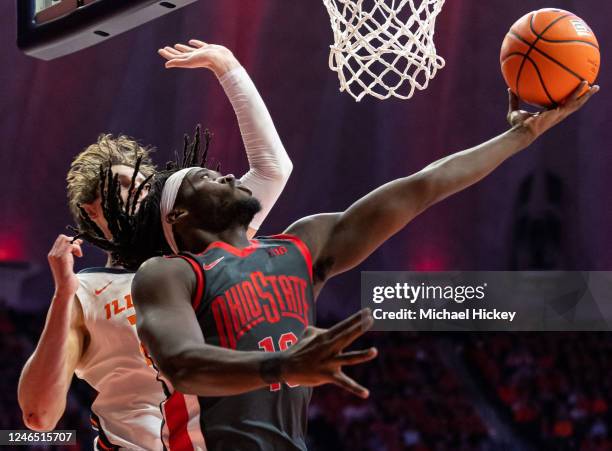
<point>168,197</point>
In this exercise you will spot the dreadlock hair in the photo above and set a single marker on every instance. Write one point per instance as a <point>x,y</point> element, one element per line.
<point>138,235</point>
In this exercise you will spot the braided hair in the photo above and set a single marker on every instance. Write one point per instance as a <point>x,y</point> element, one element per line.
<point>137,235</point>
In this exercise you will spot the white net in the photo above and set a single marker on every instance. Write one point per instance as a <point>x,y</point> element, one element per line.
<point>384,48</point>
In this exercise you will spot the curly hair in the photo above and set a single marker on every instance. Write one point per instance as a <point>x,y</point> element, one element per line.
<point>84,176</point>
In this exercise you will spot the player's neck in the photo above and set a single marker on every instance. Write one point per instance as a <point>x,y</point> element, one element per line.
<point>198,240</point>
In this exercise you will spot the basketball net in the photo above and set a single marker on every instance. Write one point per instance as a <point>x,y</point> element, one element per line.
<point>383,48</point>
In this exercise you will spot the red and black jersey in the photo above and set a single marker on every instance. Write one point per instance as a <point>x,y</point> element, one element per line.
<point>258,298</point>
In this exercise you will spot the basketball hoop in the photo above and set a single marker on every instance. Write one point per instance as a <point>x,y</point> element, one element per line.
<point>384,48</point>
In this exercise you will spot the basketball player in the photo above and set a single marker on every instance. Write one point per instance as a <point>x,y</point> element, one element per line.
<point>90,329</point>
<point>207,314</point>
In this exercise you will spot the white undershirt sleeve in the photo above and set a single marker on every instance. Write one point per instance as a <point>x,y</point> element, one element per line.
<point>270,166</point>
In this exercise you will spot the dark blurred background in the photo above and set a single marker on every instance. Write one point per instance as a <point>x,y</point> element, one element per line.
<point>546,208</point>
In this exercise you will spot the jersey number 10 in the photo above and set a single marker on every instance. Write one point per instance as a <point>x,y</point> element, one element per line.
<point>284,342</point>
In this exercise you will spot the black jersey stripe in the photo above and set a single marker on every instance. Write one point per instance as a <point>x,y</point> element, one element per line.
<point>103,442</point>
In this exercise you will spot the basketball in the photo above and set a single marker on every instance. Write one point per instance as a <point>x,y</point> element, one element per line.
<point>546,54</point>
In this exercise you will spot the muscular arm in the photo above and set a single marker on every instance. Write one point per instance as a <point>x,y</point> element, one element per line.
<point>167,325</point>
<point>340,241</point>
<point>46,376</point>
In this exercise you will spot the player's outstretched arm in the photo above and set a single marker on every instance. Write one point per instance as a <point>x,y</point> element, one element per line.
<point>269,164</point>
<point>167,325</point>
<point>340,241</point>
<point>46,376</point>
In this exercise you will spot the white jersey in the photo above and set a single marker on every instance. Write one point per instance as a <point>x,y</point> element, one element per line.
<point>126,411</point>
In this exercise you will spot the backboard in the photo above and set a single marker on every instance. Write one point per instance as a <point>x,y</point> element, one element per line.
<point>48,29</point>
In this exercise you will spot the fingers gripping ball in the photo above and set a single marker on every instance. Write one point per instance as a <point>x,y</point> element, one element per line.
<point>546,54</point>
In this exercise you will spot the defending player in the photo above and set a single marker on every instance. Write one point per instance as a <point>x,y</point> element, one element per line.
<point>90,328</point>
<point>206,315</point>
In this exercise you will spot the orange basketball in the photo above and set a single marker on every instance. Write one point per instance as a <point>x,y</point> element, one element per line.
<point>546,54</point>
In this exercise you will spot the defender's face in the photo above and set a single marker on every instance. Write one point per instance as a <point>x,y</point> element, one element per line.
<point>125,173</point>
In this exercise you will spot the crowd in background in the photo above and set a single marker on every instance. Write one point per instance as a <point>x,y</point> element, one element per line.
<point>416,403</point>
<point>553,389</point>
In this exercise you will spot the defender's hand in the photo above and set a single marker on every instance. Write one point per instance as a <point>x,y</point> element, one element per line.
<point>200,54</point>
<point>61,262</point>
<point>319,357</point>
<point>538,123</point>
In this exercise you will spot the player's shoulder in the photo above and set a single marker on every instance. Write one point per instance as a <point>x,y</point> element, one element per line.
<point>161,278</point>
<point>160,263</point>
<point>313,224</point>
<point>161,269</point>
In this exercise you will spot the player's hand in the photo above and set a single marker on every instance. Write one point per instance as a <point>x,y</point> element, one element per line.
<point>319,356</point>
<point>538,123</point>
<point>61,260</point>
<point>200,54</point>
